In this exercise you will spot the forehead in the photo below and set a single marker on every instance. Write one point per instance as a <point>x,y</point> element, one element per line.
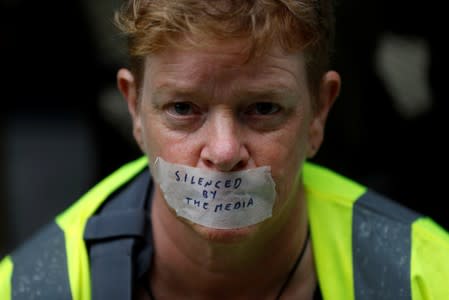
<point>223,62</point>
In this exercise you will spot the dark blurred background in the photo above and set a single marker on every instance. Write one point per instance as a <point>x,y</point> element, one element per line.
<point>63,125</point>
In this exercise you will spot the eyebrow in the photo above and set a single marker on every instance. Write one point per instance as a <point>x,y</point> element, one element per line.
<point>277,92</point>
<point>264,94</point>
<point>176,90</point>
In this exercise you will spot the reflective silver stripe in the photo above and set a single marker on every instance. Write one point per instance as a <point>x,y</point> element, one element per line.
<point>40,267</point>
<point>381,248</point>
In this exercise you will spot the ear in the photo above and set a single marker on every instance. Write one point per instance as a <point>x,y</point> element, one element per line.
<point>329,90</point>
<point>128,88</point>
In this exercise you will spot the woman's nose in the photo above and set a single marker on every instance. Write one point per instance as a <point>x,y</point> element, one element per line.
<point>224,149</point>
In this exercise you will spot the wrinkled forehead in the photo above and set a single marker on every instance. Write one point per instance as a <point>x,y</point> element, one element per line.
<point>232,52</point>
<point>224,64</point>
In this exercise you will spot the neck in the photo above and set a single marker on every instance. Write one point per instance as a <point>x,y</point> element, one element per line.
<point>227,264</point>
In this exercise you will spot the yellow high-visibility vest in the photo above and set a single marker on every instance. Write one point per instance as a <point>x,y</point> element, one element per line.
<point>365,246</point>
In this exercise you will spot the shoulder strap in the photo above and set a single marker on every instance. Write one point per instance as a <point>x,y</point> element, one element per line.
<point>119,241</point>
<point>381,248</point>
<point>40,267</point>
<point>359,236</point>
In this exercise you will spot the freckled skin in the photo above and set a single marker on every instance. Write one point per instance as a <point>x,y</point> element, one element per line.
<point>211,108</point>
<point>222,132</point>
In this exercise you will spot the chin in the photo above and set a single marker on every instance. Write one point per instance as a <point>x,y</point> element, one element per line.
<point>227,236</point>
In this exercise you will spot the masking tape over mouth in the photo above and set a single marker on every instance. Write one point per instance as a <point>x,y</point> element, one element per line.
<point>223,200</point>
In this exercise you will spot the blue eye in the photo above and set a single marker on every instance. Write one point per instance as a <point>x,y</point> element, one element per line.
<point>183,115</point>
<point>264,108</point>
<point>182,108</point>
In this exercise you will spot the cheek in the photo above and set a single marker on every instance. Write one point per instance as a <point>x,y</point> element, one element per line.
<point>152,135</point>
<point>285,154</point>
<point>163,142</point>
<point>285,167</point>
